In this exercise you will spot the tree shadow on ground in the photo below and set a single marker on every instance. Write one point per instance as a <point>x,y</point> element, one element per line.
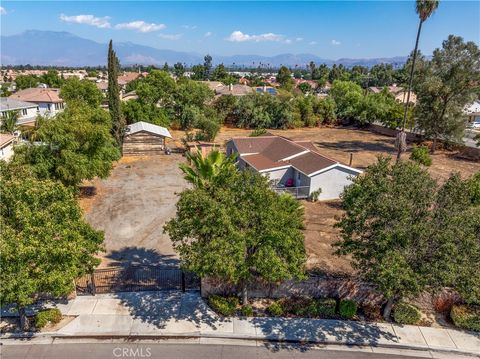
<point>142,256</point>
<point>315,330</point>
<point>380,146</point>
<point>158,309</point>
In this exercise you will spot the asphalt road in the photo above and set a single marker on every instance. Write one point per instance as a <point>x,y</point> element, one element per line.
<point>177,351</point>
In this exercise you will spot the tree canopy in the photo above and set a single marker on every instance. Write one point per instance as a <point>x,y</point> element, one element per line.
<point>81,90</point>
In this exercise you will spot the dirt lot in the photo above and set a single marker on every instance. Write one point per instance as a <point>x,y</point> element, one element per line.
<point>132,205</point>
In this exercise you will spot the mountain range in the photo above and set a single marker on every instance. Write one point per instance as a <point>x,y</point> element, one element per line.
<point>53,48</point>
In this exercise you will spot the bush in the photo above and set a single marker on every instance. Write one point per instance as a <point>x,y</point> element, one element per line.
<point>43,317</point>
<point>420,155</point>
<point>258,132</point>
<point>315,194</point>
<point>247,310</point>
<point>466,317</point>
<point>222,305</point>
<point>325,307</point>
<point>404,313</point>
<point>275,309</point>
<point>372,312</point>
<point>347,308</point>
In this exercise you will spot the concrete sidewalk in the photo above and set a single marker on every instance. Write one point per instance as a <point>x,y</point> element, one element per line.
<point>173,314</point>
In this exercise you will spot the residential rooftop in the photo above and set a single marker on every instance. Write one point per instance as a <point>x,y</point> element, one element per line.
<point>38,95</point>
<point>11,104</point>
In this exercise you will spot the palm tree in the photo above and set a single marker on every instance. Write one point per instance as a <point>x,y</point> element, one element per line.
<point>202,171</point>
<point>424,9</point>
<point>9,122</point>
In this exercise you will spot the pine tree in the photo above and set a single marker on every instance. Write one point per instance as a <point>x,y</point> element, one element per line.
<point>118,121</point>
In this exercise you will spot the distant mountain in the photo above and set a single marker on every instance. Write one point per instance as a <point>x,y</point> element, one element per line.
<point>36,47</point>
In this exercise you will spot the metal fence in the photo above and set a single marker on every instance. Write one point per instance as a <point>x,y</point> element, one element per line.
<point>300,192</point>
<point>135,279</point>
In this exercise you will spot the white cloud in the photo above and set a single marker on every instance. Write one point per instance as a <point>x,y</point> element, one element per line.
<point>3,11</point>
<point>208,34</point>
<point>238,36</point>
<point>140,26</point>
<point>172,37</point>
<point>288,41</point>
<point>299,39</point>
<point>189,27</point>
<point>100,22</point>
<point>335,42</point>
<point>312,43</point>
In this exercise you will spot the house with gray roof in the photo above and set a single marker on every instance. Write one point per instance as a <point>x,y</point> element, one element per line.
<point>295,167</point>
<point>27,111</point>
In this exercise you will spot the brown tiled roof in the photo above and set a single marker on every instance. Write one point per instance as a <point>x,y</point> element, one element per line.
<point>252,144</point>
<point>311,162</point>
<point>282,148</point>
<point>127,77</point>
<point>260,162</point>
<point>5,139</point>
<point>37,95</point>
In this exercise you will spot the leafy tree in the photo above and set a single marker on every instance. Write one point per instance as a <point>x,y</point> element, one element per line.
<point>81,90</point>
<point>52,79</point>
<point>448,82</point>
<point>321,74</point>
<point>114,105</point>
<point>312,68</point>
<point>92,73</point>
<point>135,111</point>
<point>359,74</point>
<point>225,107</point>
<point>305,87</point>
<point>424,9</point>
<point>239,230</point>
<point>157,88</point>
<point>8,122</point>
<point>207,65</point>
<point>284,78</point>
<point>347,96</point>
<point>76,146</point>
<point>165,67</point>
<point>26,81</point>
<point>178,70</point>
<point>385,226</point>
<point>220,73</point>
<point>381,75</point>
<point>338,73</point>
<point>198,72</point>
<point>45,242</point>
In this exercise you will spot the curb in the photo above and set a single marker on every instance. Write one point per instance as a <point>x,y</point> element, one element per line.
<point>197,335</point>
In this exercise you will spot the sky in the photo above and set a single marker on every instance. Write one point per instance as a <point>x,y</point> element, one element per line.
<point>329,29</point>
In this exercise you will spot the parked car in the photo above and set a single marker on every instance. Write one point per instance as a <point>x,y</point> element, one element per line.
<point>475,124</point>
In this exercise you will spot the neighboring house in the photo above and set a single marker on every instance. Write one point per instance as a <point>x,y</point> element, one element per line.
<point>132,95</point>
<point>47,99</point>
<point>295,167</point>
<point>102,86</point>
<point>6,146</point>
<point>27,111</point>
<point>313,84</point>
<point>473,112</point>
<point>143,138</point>
<point>235,90</point>
<point>202,146</point>
<point>127,77</point>
<point>398,92</point>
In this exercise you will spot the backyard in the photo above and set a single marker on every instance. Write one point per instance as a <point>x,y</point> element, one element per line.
<point>133,204</point>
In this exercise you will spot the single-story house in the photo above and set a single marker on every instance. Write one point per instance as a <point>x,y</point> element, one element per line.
<point>398,92</point>
<point>296,167</point>
<point>6,146</point>
<point>235,90</point>
<point>473,111</point>
<point>143,138</point>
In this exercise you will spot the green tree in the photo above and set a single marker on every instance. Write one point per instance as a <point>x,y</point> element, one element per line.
<point>26,81</point>
<point>284,78</point>
<point>305,87</point>
<point>74,90</point>
<point>165,67</point>
<point>424,9</point>
<point>135,111</point>
<point>178,70</point>
<point>52,79</point>
<point>45,242</point>
<point>381,75</point>
<point>385,226</point>
<point>448,82</point>
<point>207,65</point>
<point>220,73</point>
<point>114,105</point>
<point>347,96</point>
<point>312,67</point>
<point>8,122</point>
<point>76,146</point>
<point>239,230</point>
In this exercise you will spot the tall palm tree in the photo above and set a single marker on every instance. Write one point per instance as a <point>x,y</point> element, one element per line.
<point>424,9</point>
<point>8,122</point>
<point>202,171</point>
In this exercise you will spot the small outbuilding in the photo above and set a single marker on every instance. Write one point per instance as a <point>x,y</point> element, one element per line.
<point>143,138</point>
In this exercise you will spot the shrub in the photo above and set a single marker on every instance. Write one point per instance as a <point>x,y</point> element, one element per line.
<point>347,308</point>
<point>258,132</point>
<point>466,317</point>
<point>404,313</point>
<point>420,155</point>
<point>275,309</point>
<point>247,310</point>
<point>372,312</point>
<point>43,317</point>
<point>315,194</point>
<point>222,305</point>
<point>325,307</point>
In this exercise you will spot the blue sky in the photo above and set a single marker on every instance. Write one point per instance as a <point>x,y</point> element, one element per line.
<point>355,29</point>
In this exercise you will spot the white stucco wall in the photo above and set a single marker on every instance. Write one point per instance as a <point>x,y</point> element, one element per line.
<point>49,109</point>
<point>6,152</point>
<point>332,182</point>
<point>279,176</point>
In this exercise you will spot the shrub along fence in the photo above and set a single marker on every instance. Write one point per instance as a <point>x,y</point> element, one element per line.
<point>314,286</point>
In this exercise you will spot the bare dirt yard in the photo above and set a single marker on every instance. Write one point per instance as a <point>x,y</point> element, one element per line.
<point>131,207</point>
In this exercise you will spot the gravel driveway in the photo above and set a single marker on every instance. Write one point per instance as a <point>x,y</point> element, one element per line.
<point>132,205</point>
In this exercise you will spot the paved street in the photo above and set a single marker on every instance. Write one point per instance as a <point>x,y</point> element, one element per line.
<point>197,351</point>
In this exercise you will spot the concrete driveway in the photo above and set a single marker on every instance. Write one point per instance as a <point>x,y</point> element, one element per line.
<point>131,207</point>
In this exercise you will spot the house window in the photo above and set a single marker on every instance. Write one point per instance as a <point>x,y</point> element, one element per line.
<point>24,112</point>
<point>49,107</point>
